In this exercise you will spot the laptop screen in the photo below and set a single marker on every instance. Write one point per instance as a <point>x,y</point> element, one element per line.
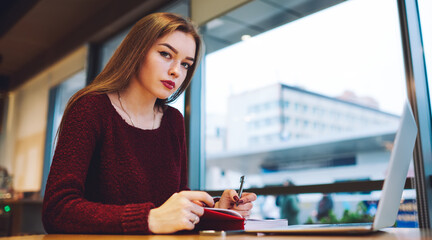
<point>400,159</point>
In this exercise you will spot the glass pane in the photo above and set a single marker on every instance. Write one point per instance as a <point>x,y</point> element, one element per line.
<point>108,48</point>
<point>332,208</point>
<point>310,91</point>
<point>425,12</point>
<point>65,90</point>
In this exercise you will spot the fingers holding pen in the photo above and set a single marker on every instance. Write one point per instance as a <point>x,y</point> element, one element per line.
<point>228,198</point>
<point>243,207</point>
<point>248,197</point>
<point>245,204</point>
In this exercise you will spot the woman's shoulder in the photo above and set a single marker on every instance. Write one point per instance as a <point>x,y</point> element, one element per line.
<point>86,111</point>
<point>173,110</point>
<point>173,113</point>
<point>174,118</point>
<point>93,98</point>
<point>92,103</point>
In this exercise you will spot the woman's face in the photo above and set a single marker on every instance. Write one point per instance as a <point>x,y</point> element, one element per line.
<point>166,64</point>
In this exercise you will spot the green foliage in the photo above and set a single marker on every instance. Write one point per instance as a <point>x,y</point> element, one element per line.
<point>309,220</point>
<point>359,216</point>
<point>331,218</point>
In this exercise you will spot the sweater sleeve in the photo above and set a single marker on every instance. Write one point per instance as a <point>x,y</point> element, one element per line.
<point>65,209</point>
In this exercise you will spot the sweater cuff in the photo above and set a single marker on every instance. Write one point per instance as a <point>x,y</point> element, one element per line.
<point>135,218</point>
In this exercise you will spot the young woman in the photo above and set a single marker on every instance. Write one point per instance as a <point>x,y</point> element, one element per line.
<point>120,165</point>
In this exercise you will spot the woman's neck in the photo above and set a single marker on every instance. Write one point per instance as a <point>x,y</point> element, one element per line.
<point>137,107</point>
<point>140,103</point>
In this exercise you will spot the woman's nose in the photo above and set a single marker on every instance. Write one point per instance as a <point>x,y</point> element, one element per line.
<point>174,70</point>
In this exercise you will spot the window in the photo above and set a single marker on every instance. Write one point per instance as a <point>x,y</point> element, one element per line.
<point>62,93</point>
<point>58,99</point>
<point>425,13</point>
<point>342,72</point>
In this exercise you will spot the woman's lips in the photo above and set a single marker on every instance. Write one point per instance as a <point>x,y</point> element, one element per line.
<point>168,84</point>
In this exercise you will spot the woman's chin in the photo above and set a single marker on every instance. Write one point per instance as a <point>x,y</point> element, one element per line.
<point>164,95</point>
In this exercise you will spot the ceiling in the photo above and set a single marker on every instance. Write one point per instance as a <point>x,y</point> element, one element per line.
<point>36,33</point>
<point>257,17</point>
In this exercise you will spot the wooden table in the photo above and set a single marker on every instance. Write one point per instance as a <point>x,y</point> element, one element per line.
<point>387,234</point>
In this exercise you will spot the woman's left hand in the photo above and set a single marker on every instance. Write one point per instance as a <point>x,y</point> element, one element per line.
<point>230,200</point>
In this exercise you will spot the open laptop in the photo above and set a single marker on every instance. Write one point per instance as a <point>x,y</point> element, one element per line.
<point>391,193</point>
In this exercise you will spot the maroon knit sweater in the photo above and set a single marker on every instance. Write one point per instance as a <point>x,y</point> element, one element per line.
<point>107,175</point>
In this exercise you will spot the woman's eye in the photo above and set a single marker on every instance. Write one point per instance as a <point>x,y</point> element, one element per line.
<point>165,54</point>
<point>186,65</point>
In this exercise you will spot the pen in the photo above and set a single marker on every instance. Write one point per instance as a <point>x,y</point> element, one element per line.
<point>241,188</point>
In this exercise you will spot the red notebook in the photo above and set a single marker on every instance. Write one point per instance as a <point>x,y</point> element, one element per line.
<point>220,220</point>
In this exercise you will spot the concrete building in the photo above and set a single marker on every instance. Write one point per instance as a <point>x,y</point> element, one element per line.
<point>279,131</point>
<point>280,113</point>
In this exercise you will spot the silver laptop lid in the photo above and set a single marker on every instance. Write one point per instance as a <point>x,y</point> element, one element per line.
<point>398,169</point>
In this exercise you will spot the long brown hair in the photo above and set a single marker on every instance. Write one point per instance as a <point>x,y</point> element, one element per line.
<point>127,59</point>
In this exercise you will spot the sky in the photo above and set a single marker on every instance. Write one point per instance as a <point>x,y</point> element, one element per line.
<point>353,46</point>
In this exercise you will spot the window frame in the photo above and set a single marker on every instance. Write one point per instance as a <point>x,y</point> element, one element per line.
<point>415,72</point>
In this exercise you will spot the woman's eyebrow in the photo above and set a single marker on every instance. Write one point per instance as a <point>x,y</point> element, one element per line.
<point>175,50</point>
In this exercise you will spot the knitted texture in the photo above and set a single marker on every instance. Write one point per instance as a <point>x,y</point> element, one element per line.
<point>106,175</point>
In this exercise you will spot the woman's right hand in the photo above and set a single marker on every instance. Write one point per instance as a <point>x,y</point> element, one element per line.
<point>179,212</point>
